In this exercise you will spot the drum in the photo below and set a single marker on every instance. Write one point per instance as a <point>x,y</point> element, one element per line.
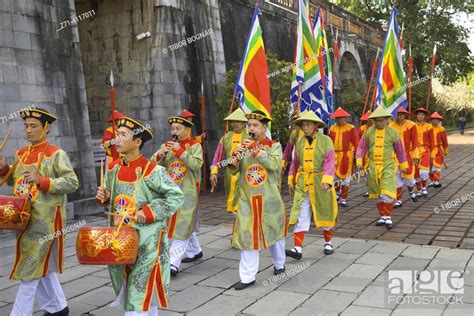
<point>97,246</point>
<point>14,212</point>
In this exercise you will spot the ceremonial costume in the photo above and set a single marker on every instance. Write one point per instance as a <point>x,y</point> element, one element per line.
<point>381,144</point>
<point>439,151</point>
<point>109,137</point>
<point>142,185</point>
<point>345,139</point>
<point>409,136</point>
<point>315,161</point>
<point>426,150</point>
<point>38,257</point>
<point>184,168</point>
<point>227,145</point>
<point>260,220</point>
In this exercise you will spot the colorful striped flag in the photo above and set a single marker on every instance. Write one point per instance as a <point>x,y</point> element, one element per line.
<point>325,65</point>
<point>307,69</point>
<point>391,83</point>
<point>253,84</point>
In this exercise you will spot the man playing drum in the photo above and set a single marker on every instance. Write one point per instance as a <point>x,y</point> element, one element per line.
<point>144,197</point>
<point>43,174</point>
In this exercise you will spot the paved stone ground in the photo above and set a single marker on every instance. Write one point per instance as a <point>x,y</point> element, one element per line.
<point>352,281</point>
<point>415,223</point>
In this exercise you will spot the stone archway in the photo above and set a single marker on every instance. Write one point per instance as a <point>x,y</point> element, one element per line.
<point>351,80</point>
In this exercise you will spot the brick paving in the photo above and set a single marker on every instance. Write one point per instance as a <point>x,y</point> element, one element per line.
<point>352,281</point>
<point>415,223</point>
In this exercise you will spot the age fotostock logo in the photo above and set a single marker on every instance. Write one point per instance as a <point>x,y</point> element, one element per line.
<point>425,287</point>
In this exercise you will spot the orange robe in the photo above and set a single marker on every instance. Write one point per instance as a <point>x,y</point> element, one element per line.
<point>409,135</point>
<point>345,138</point>
<point>425,145</point>
<point>440,146</point>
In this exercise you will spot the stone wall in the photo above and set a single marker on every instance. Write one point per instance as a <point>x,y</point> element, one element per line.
<point>42,66</point>
<point>154,79</point>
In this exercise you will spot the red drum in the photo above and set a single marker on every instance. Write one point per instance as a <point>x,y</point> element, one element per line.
<point>97,246</point>
<point>15,212</point>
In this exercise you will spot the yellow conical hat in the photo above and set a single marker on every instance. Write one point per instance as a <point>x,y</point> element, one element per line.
<point>380,112</point>
<point>309,116</point>
<point>237,116</point>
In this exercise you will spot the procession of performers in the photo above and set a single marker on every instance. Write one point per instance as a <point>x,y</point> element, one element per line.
<point>159,197</point>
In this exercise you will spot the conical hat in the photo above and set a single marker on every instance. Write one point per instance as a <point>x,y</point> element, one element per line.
<point>436,115</point>
<point>237,116</point>
<point>402,110</point>
<point>309,116</point>
<point>340,112</point>
<point>422,110</point>
<point>380,112</point>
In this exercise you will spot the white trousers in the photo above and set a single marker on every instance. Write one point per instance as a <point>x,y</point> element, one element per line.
<point>424,175</point>
<point>384,198</point>
<point>119,303</point>
<point>346,181</point>
<point>50,296</point>
<point>180,248</point>
<point>304,217</point>
<point>402,181</point>
<point>249,260</point>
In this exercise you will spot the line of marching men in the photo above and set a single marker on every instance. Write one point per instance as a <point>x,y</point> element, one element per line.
<point>165,190</point>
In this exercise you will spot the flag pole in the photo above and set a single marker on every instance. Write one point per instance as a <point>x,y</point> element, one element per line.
<point>112,102</point>
<point>372,75</point>
<point>433,62</point>
<point>410,70</point>
<point>203,131</point>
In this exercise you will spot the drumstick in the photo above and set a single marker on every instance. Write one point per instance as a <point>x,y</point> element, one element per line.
<point>101,183</point>
<point>4,142</point>
<point>122,214</point>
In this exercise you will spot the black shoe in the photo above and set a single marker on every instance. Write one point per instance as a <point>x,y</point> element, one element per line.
<point>64,312</point>
<point>366,194</point>
<point>293,254</point>
<point>278,271</point>
<point>388,224</point>
<point>328,249</point>
<point>437,186</point>
<point>414,197</point>
<point>196,257</point>
<point>173,271</point>
<point>240,286</point>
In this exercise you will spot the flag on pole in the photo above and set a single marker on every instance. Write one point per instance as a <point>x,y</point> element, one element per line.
<point>306,71</point>
<point>253,84</point>
<point>325,64</point>
<point>391,83</point>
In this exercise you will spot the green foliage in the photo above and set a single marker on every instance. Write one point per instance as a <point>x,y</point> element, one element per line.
<point>280,85</point>
<point>426,23</point>
<point>353,98</point>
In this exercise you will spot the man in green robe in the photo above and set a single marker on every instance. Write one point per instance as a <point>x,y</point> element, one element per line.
<point>182,157</point>
<point>314,194</point>
<point>382,142</point>
<point>260,221</point>
<point>225,148</point>
<point>42,173</point>
<point>144,192</point>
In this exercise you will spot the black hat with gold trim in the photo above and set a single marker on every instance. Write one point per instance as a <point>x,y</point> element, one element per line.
<point>138,128</point>
<point>181,120</point>
<point>38,113</point>
<point>258,115</point>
